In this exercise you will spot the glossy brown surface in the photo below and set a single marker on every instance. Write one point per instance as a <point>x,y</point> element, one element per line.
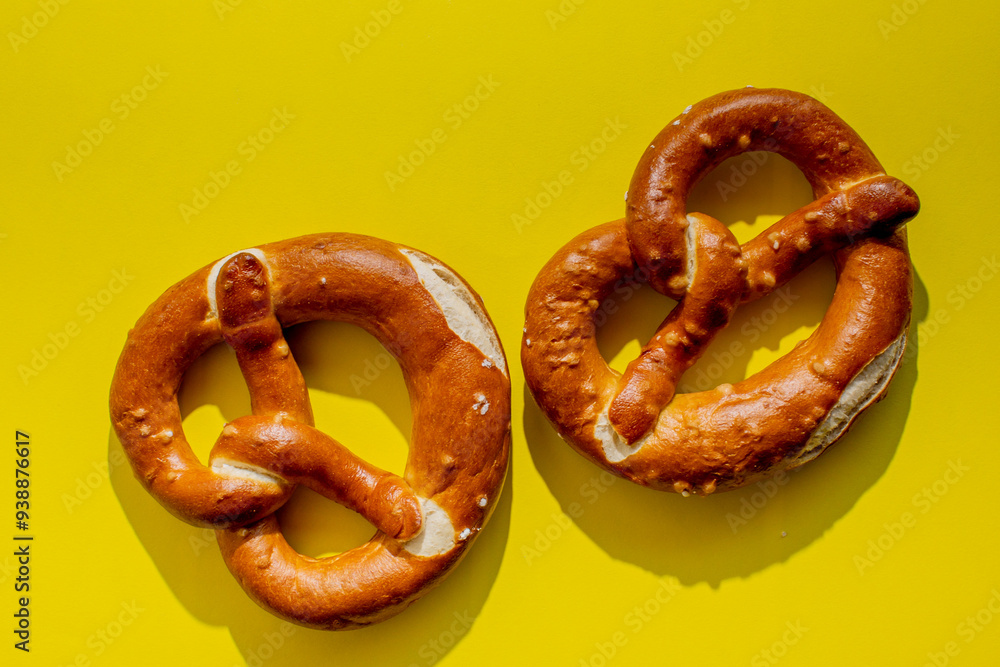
<point>727,436</point>
<point>458,454</point>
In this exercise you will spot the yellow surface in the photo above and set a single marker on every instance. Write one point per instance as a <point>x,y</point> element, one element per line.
<point>116,115</point>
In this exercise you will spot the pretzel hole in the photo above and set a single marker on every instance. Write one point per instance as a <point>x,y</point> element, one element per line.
<point>318,527</point>
<point>627,318</point>
<point>212,394</point>
<point>358,397</point>
<point>751,191</point>
<point>765,330</point>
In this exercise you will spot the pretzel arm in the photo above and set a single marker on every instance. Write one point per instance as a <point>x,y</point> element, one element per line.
<point>715,283</point>
<point>301,454</point>
<point>246,316</point>
<point>873,207</point>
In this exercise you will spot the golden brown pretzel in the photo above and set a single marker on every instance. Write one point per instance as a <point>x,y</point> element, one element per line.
<point>783,416</point>
<point>454,366</point>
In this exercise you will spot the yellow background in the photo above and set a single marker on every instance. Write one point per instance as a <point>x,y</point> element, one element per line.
<point>821,571</point>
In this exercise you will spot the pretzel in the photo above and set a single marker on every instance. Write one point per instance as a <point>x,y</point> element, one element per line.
<point>456,373</point>
<point>634,424</point>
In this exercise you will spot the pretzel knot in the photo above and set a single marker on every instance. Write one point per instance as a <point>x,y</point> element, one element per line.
<point>785,415</point>
<point>455,370</point>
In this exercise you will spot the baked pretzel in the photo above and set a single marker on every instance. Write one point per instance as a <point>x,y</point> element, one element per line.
<point>633,424</point>
<point>456,373</point>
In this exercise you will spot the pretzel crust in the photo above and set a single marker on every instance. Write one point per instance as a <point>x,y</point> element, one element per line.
<point>788,413</point>
<point>460,441</point>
